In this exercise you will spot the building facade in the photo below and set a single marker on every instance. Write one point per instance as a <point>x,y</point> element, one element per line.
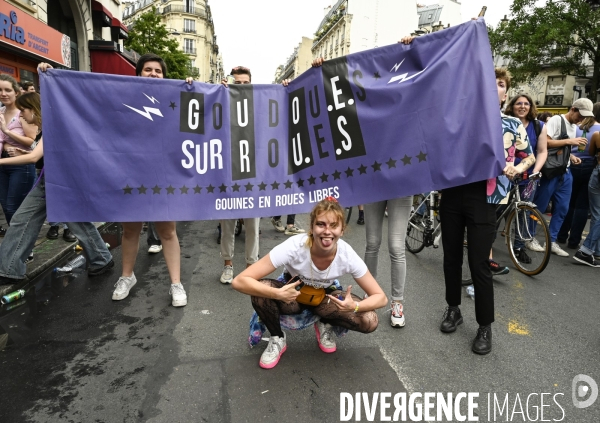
<point>434,17</point>
<point>190,23</point>
<point>298,62</point>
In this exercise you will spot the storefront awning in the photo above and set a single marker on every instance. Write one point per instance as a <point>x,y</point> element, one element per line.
<point>118,30</point>
<point>111,62</point>
<point>101,13</point>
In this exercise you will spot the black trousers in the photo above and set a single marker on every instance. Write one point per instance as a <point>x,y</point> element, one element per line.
<point>463,207</point>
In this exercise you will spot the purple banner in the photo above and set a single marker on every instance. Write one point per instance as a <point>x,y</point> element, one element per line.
<point>375,125</point>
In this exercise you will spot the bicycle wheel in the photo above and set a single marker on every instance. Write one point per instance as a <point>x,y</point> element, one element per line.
<point>415,230</point>
<point>528,239</point>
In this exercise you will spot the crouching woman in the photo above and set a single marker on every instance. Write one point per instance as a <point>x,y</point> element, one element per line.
<point>317,258</point>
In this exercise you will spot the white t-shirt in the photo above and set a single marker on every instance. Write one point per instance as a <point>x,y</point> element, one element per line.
<point>553,127</point>
<point>294,255</point>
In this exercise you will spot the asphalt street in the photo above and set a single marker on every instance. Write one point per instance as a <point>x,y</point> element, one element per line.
<point>72,354</point>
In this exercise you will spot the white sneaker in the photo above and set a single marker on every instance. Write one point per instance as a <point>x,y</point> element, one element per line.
<point>325,339</point>
<point>534,245</point>
<point>154,249</point>
<point>278,225</point>
<point>227,275</point>
<point>122,287</point>
<point>293,230</point>
<point>555,248</point>
<point>270,357</point>
<point>397,315</point>
<point>178,295</point>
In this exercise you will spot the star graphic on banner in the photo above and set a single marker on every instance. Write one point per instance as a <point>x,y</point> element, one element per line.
<point>127,189</point>
<point>349,172</point>
<point>288,184</point>
<point>406,160</point>
<point>262,186</point>
<point>376,75</point>
<point>223,188</point>
<point>248,187</point>
<point>170,190</point>
<point>197,189</point>
<point>324,177</point>
<point>142,189</point>
<point>376,166</point>
<point>172,105</point>
<point>422,156</point>
<point>311,180</point>
<point>391,163</point>
<point>235,187</point>
<point>362,169</point>
<point>184,189</point>
<point>336,175</point>
<point>156,189</point>
<point>210,189</point>
<point>300,183</point>
<point>275,185</point>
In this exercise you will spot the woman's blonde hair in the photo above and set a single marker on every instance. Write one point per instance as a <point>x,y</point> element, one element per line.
<point>30,101</point>
<point>590,121</point>
<point>327,205</point>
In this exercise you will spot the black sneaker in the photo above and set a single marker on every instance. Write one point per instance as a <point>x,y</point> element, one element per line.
<point>522,256</point>
<point>52,232</point>
<point>101,270</point>
<point>452,318</point>
<point>482,344</point>
<point>2,231</point>
<point>29,258</point>
<point>361,220</point>
<point>68,236</point>
<point>497,269</point>
<point>584,258</point>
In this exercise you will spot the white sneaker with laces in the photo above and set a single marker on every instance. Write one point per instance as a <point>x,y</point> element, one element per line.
<point>122,287</point>
<point>397,316</point>
<point>555,248</point>
<point>154,249</point>
<point>270,357</point>
<point>293,230</point>
<point>227,275</point>
<point>178,295</point>
<point>534,245</point>
<point>325,339</point>
<point>277,224</point>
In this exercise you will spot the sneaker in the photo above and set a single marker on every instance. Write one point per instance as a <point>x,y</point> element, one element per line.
<point>68,236</point>
<point>325,339</point>
<point>122,287</point>
<point>103,269</point>
<point>178,295</point>
<point>534,245</point>
<point>29,258</point>
<point>52,232</point>
<point>270,357</point>
<point>584,258</point>
<point>361,220</point>
<point>497,269</point>
<point>2,231</point>
<point>293,230</point>
<point>522,256</point>
<point>154,249</point>
<point>397,315</point>
<point>277,224</point>
<point>452,318</point>
<point>227,275</point>
<point>482,344</point>
<point>555,248</point>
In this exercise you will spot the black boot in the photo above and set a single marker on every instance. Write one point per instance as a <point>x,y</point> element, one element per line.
<point>68,236</point>
<point>452,318</point>
<point>52,232</point>
<point>482,344</point>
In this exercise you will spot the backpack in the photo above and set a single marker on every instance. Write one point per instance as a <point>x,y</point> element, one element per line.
<point>558,157</point>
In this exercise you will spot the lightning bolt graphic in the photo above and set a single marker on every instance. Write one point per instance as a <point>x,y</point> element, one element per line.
<point>147,111</point>
<point>152,99</point>
<point>404,77</point>
<point>396,66</point>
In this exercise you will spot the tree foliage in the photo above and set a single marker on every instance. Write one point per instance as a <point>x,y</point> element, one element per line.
<point>149,35</point>
<point>561,34</point>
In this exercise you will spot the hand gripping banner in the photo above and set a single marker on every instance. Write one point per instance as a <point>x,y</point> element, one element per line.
<point>371,126</point>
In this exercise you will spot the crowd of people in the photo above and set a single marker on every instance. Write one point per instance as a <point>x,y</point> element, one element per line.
<point>313,260</point>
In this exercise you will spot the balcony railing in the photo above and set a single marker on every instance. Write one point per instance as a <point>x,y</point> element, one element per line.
<point>172,8</point>
<point>189,50</point>
<point>189,31</point>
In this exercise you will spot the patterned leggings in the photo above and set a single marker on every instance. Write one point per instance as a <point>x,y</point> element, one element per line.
<point>269,311</point>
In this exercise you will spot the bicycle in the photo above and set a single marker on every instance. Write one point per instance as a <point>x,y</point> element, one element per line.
<point>524,224</point>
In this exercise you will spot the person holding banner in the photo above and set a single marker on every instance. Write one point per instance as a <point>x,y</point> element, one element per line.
<point>29,218</point>
<point>313,262</point>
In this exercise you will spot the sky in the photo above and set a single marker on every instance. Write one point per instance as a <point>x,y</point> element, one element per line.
<point>262,34</point>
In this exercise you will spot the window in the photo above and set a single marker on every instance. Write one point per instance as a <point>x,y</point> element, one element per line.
<point>189,46</point>
<point>189,6</point>
<point>189,25</point>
